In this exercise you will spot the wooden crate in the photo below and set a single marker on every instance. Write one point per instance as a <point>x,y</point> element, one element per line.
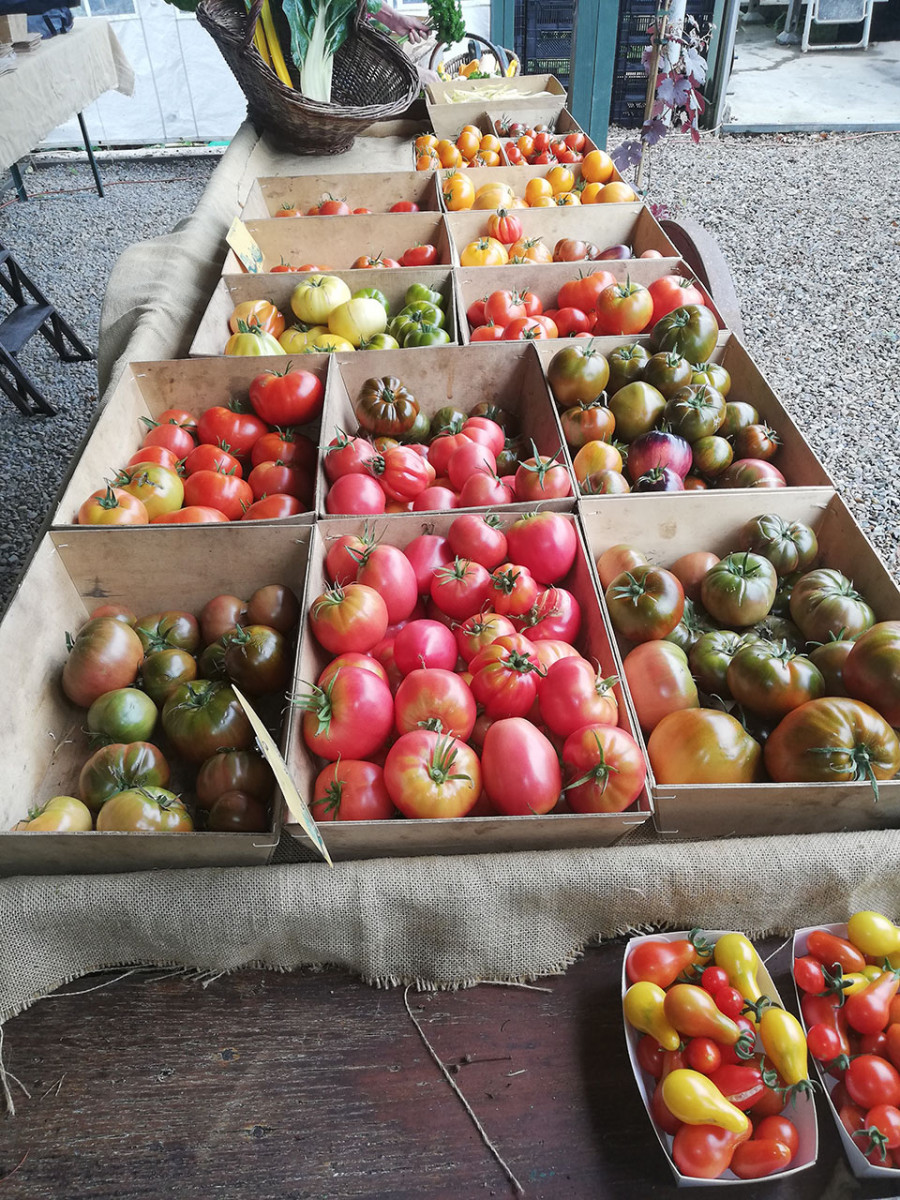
<point>378,191</point>
<point>545,280</point>
<point>339,243</point>
<point>509,375</point>
<point>460,835</point>
<point>43,743</point>
<point>146,390</point>
<point>603,224</point>
<point>212,332</point>
<point>795,458</point>
<point>711,521</point>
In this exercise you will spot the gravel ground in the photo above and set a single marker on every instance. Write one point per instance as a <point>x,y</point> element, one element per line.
<point>67,241</point>
<point>809,224</point>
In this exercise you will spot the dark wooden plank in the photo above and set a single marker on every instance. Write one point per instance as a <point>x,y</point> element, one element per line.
<point>309,1085</point>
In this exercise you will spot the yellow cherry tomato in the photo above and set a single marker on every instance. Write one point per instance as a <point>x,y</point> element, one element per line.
<point>736,955</point>
<point>872,972</point>
<point>784,1041</point>
<point>874,934</point>
<point>695,1100</point>
<point>856,981</point>
<point>643,1005</point>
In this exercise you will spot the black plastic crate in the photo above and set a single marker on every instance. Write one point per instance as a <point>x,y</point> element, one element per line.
<point>543,33</point>
<point>629,89</point>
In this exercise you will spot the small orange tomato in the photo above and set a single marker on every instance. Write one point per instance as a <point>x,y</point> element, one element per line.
<point>617,193</point>
<point>567,199</point>
<point>459,192</point>
<point>485,252</point>
<point>531,250</point>
<point>597,167</point>
<point>448,154</point>
<point>468,145</point>
<point>428,161</point>
<point>526,145</point>
<point>472,129</point>
<point>596,456</point>
<point>261,313</point>
<point>543,202</point>
<point>517,202</point>
<point>489,142</point>
<point>561,179</point>
<point>590,194</point>
<point>490,158</point>
<point>425,142</point>
<point>535,188</point>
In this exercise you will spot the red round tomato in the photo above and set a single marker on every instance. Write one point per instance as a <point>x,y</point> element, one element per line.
<point>291,397</point>
<point>484,490</point>
<point>672,291</point>
<point>274,507</point>
<point>346,455</point>
<point>520,768</point>
<point>513,590</point>
<point>211,489</point>
<point>604,768</point>
<point>356,495</point>
<point>287,446</point>
<point>351,790</point>
<point>555,615</point>
<point>436,699</point>
<point>583,292</point>
<point>170,437</point>
<point>105,655</point>
<point>545,543</point>
<point>623,308</point>
<point>351,716</point>
<point>432,775</point>
<point>424,643</point>
<point>542,478</point>
<point>425,552</point>
<point>401,472</point>
<point>479,631</point>
<point>705,1151</point>
<point>461,588</point>
<point>871,1080</point>
<point>354,617</point>
<point>235,431</point>
<point>478,538</point>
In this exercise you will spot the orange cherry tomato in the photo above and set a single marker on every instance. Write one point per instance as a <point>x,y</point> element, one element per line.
<point>597,167</point>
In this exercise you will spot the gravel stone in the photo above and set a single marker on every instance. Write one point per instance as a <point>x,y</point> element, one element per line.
<point>808,223</point>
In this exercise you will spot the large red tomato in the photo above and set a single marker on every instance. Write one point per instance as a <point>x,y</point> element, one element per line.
<point>387,569</point>
<point>432,698</point>
<point>354,617</point>
<point>352,716</point>
<point>431,775</point>
<point>623,308</point>
<point>545,543</point>
<point>505,677</point>
<point>286,398</point>
<point>671,292</point>
<point>521,771</point>
<point>351,790</point>
<point>604,767</point>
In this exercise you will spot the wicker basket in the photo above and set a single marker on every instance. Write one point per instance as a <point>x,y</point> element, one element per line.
<point>372,80</point>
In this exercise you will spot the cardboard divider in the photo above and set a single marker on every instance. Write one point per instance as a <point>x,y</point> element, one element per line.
<point>859,1164</point>
<point>509,376</point>
<point>802,1113</point>
<point>338,245</point>
<point>213,332</point>
<point>403,837</point>
<point>145,390</point>
<point>44,745</point>
<point>711,521</point>
<point>378,191</point>
<point>603,224</point>
<point>546,279</point>
<point>795,458</point>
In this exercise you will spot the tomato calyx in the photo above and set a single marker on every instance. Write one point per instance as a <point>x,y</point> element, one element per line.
<point>634,589</point>
<point>540,466</point>
<point>110,500</point>
<point>876,1141</point>
<point>443,756</point>
<point>860,756</point>
<point>318,701</point>
<point>503,581</point>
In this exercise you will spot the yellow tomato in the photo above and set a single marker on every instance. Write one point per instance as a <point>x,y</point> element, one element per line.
<point>517,202</point>
<point>596,456</point>
<point>543,202</point>
<point>468,144</point>
<point>561,179</point>
<point>597,167</point>
<point>590,194</point>
<point>449,154</point>
<point>493,195</point>
<point>617,193</point>
<point>485,252</point>
<point>328,342</point>
<point>252,340</point>
<point>295,340</point>
<point>428,161</point>
<point>473,129</point>
<point>262,313</point>
<point>159,489</point>
<point>535,188</point>
<point>567,199</point>
<point>490,142</point>
<point>425,142</point>
<point>62,814</point>
<point>459,192</point>
<point>531,250</point>
<point>490,158</point>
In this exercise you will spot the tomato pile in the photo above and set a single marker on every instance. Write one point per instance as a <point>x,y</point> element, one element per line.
<point>422,254</point>
<point>537,144</point>
<point>722,1061</point>
<point>451,460</point>
<point>158,688</point>
<point>561,187</point>
<point>329,318</point>
<point>810,682</point>
<point>503,241</point>
<point>472,148</point>
<point>456,687</point>
<point>848,982</point>
<point>192,469</point>
<point>337,206</point>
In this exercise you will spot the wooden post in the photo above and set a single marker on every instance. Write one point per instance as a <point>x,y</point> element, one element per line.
<point>658,39</point>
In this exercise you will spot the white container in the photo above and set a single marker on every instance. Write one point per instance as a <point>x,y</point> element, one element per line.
<point>803,1114</point>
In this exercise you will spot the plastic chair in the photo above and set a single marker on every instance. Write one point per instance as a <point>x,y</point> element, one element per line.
<point>838,12</point>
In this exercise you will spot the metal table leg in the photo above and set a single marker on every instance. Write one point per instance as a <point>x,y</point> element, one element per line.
<point>90,154</point>
<point>18,181</point>
<point>789,35</point>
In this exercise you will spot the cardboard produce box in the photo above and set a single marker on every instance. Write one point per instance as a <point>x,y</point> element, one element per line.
<point>337,244</point>
<point>520,90</point>
<point>664,531</point>
<point>459,835</point>
<point>377,191</point>
<point>508,375</point>
<point>795,458</point>
<point>145,390</point>
<point>448,119</point>
<point>213,332</point>
<point>559,124</point>
<point>72,573</point>
<point>603,224</point>
<point>13,27</point>
<point>801,1113</point>
<point>545,280</point>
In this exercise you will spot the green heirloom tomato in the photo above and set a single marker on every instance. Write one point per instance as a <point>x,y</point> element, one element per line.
<point>695,412</point>
<point>380,341</point>
<point>163,671</point>
<point>119,767</point>
<point>788,545</point>
<point>711,456</point>
<point>714,374</point>
<point>425,335</point>
<point>667,372</point>
<point>386,407</point>
<point>202,717</point>
<point>833,740</point>
<point>371,293</point>
<point>144,810</point>
<point>432,314</point>
<point>710,657</point>
<point>577,373</point>
<point>125,715</point>
<point>637,407</point>
<point>447,420</point>
<point>780,629</point>
<point>739,589</point>
<point>691,331</point>
<point>420,431</point>
<point>626,365</point>
<point>824,604</point>
<point>163,629</point>
<point>772,680</point>
<point>872,669</point>
<point>738,415</point>
<point>418,291</point>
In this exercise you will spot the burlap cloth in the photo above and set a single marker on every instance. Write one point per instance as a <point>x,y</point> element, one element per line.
<point>432,921</point>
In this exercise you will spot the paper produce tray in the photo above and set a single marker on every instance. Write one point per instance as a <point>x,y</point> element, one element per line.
<point>460,835</point>
<point>377,191</point>
<point>41,732</point>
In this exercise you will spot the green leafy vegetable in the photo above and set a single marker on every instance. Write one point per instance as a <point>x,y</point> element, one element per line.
<point>318,29</point>
<point>446,19</point>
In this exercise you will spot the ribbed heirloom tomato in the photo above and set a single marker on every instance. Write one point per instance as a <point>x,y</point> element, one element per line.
<point>428,774</point>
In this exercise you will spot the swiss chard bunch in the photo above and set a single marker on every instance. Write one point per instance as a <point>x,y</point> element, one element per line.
<point>318,30</point>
